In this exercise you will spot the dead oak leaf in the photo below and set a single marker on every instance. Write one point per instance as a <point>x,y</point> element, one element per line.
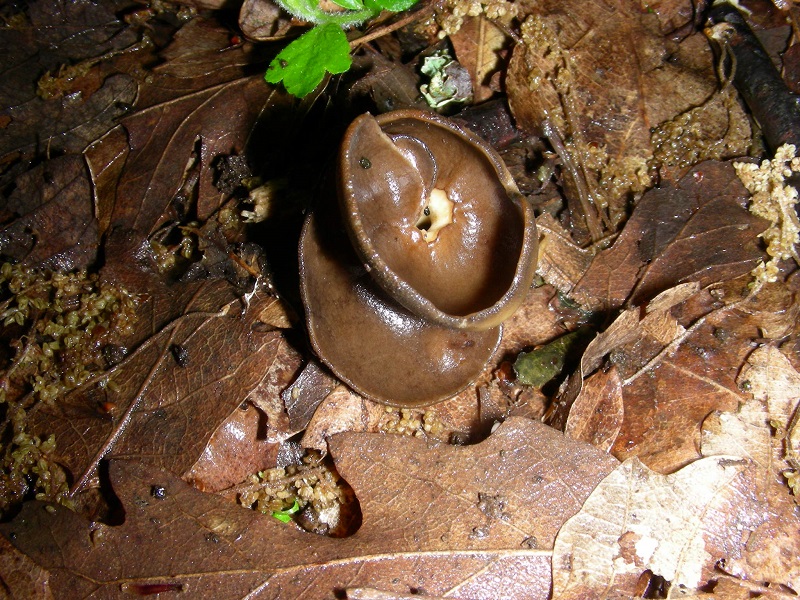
<point>249,438</point>
<point>677,363</point>
<point>637,520</point>
<point>521,466</point>
<point>165,399</point>
<point>497,506</point>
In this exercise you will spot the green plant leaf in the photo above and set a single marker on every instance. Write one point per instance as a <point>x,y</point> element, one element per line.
<point>392,5</point>
<point>285,515</point>
<point>350,4</point>
<point>301,66</point>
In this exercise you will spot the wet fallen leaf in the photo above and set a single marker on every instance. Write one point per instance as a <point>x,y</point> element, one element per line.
<point>55,227</point>
<point>509,493</point>
<point>21,576</point>
<point>60,35</point>
<point>698,231</point>
<point>165,408</point>
<point>596,415</point>
<point>236,449</point>
<point>175,136</point>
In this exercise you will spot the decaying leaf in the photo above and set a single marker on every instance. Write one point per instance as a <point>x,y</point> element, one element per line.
<point>167,397</point>
<point>677,363</point>
<point>597,413</point>
<point>478,45</point>
<point>511,493</point>
<point>637,520</point>
<point>757,431</point>
<point>599,74</point>
<point>58,36</point>
<point>698,231</point>
<point>55,227</point>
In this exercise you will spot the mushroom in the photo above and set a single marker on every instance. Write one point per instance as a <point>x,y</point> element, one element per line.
<point>405,287</point>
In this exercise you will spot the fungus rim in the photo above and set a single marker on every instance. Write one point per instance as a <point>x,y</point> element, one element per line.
<point>398,288</point>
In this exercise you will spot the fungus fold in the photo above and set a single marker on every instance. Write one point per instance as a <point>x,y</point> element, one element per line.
<point>407,280</point>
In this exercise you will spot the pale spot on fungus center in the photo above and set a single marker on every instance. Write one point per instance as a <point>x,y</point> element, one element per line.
<point>437,214</point>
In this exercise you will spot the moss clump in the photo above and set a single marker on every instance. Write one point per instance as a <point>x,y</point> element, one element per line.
<point>410,422</point>
<point>314,485</point>
<point>55,328</point>
<point>774,199</point>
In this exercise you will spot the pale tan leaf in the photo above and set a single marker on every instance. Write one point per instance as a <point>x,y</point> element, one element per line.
<point>773,547</point>
<point>638,520</point>
<point>772,378</point>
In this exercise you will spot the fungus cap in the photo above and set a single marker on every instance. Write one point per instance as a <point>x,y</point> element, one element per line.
<point>435,216</point>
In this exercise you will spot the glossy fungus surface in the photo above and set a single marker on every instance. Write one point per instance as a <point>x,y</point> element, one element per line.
<point>433,212</point>
<point>407,278</point>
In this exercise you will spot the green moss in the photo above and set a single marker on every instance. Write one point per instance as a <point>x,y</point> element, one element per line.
<point>55,327</point>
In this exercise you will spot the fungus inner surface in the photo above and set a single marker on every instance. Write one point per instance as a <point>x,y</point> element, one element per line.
<point>437,214</point>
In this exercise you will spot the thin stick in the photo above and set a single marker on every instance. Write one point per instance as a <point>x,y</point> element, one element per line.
<point>387,29</point>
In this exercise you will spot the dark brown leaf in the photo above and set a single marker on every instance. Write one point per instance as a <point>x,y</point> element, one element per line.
<point>55,227</point>
<point>165,410</point>
<point>61,34</point>
<point>697,231</point>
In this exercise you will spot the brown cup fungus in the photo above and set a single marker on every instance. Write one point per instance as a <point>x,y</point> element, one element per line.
<point>433,246</point>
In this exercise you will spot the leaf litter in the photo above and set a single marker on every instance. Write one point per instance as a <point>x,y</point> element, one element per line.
<point>678,466</point>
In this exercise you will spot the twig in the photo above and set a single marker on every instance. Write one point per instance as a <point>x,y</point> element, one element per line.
<point>773,105</point>
<point>387,29</point>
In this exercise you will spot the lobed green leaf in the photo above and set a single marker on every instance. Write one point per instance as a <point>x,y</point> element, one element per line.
<point>302,65</point>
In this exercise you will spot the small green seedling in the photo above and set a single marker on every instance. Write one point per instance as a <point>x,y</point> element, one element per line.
<point>285,515</point>
<point>449,81</point>
<point>302,65</point>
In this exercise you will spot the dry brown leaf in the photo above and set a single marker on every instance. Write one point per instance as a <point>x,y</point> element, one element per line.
<point>59,36</point>
<point>637,520</point>
<point>478,45</point>
<point>522,465</point>
<point>625,330</point>
<point>773,380</point>
<point>605,76</point>
<point>278,374</point>
<point>341,410</point>
<point>561,262</point>
<point>506,497</point>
